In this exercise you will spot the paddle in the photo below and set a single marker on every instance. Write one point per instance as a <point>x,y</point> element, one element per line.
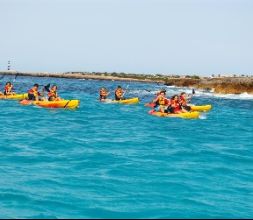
<point>125,91</point>
<point>67,104</point>
<point>16,76</point>
<point>191,95</point>
<point>147,90</point>
<point>45,88</point>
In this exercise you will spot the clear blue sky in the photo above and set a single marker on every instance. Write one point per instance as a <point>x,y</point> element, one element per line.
<point>142,36</point>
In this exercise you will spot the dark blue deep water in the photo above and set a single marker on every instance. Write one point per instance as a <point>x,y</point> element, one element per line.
<point>115,161</point>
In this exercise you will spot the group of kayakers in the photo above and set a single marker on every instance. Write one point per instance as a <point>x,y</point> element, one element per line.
<point>33,93</point>
<point>118,94</point>
<point>175,105</point>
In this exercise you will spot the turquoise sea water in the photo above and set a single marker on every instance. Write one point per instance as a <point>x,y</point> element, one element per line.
<point>115,161</point>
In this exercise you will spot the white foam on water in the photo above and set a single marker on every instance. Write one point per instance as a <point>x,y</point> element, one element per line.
<point>199,92</point>
<point>243,96</point>
<point>203,116</point>
<point>172,90</point>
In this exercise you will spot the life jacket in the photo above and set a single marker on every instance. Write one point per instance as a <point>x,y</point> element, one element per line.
<point>162,101</point>
<point>176,105</point>
<point>52,94</point>
<point>118,93</point>
<point>8,89</point>
<point>33,92</point>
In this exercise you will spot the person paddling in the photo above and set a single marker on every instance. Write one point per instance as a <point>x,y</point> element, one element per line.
<point>175,104</point>
<point>119,93</point>
<point>103,94</point>
<point>161,102</point>
<point>183,100</point>
<point>33,93</point>
<point>8,89</point>
<point>53,95</point>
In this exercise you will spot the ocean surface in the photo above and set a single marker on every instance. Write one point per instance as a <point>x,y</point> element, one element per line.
<point>117,161</point>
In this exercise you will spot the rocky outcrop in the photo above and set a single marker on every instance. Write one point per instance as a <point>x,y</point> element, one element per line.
<point>226,85</point>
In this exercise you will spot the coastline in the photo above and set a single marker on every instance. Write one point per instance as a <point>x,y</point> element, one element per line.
<point>219,85</point>
<point>81,75</point>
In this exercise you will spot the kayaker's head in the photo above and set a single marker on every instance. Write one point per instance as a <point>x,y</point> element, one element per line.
<point>183,94</point>
<point>103,91</point>
<point>8,84</point>
<point>54,88</point>
<point>174,97</point>
<point>163,92</point>
<point>36,87</point>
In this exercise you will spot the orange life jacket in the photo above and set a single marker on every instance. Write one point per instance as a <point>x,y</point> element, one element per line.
<point>52,94</point>
<point>33,92</point>
<point>162,101</point>
<point>119,92</point>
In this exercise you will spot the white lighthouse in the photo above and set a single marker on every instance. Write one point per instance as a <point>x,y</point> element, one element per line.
<point>9,65</point>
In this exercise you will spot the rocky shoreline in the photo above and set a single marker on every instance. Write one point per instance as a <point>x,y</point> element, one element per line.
<point>221,85</point>
<point>225,85</point>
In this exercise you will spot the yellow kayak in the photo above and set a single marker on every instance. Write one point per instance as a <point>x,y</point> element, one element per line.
<point>125,101</point>
<point>15,97</point>
<point>53,104</point>
<point>188,115</point>
<point>200,108</point>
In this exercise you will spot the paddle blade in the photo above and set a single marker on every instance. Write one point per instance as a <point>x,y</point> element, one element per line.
<point>47,87</point>
<point>14,80</point>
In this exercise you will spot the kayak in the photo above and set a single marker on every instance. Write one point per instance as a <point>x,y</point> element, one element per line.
<point>53,104</point>
<point>15,97</point>
<point>125,101</point>
<point>188,115</point>
<point>199,108</point>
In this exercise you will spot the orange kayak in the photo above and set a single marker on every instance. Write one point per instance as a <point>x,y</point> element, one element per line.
<point>53,104</point>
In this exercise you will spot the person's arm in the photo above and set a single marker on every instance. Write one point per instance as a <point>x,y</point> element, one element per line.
<point>36,96</point>
<point>155,99</point>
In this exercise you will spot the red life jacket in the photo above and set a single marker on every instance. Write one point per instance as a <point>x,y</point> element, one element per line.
<point>7,89</point>
<point>176,105</point>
